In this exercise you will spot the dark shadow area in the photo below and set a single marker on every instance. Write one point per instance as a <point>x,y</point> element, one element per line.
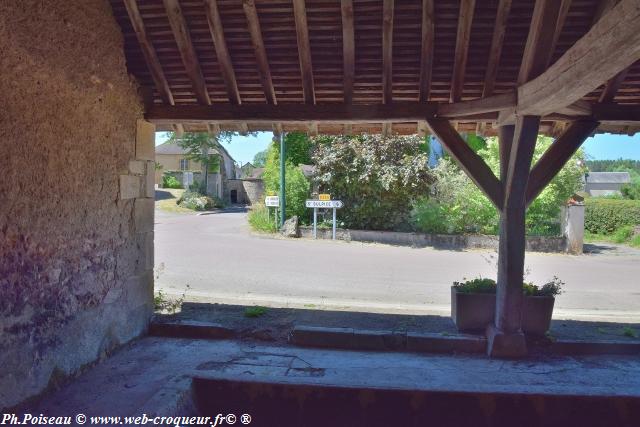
<point>275,324</point>
<point>598,248</point>
<point>164,195</point>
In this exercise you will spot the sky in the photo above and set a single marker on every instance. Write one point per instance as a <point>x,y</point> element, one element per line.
<point>599,147</point>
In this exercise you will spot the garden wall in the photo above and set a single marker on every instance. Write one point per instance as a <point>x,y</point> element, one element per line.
<point>76,194</point>
<point>438,241</point>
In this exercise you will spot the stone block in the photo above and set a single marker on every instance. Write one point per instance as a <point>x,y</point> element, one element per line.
<point>150,180</point>
<point>438,343</point>
<point>148,251</point>
<point>190,329</point>
<point>129,187</point>
<point>312,336</point>
<point>136,167</point>
<point>145,140</point>
<point>143,212</point>
<point>139,289</point>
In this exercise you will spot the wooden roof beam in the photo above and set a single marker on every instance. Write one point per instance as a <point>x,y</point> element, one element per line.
<point>387,51</point>
<point>149,52</point>
<point>537,51</point>
<point>253,23</point>
<point>187,51</point>
<point>222,53</point>
<point>292,113</point>
<point>465,19</point>
<point>478,106</point>
<point>426,53</point>
<point>304,51</point>
<point>612,45</point>
<point>348,50</point>
<point>565,5</point>
<point>497,41</point>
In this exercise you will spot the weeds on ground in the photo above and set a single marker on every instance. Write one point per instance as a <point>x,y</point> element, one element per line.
<point>255,311</point>
<point>629,332</point>
<point>260,219</point>
<point>163,303</point>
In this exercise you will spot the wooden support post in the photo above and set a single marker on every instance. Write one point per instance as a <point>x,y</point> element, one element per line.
<point>505,337</point>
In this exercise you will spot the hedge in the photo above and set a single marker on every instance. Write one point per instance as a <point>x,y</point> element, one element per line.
<point>604,216</point>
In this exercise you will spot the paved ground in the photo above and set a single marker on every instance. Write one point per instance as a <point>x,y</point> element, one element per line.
<point>222,261</point>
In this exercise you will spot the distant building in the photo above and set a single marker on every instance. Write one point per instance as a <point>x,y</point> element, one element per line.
<point>605,183</point>
<point>171,158</point>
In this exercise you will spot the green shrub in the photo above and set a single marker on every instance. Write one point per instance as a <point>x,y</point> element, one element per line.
<point>623,234</point>
<point>199,202</point>
<point>255,311</point>
<point>482,285</point>
<point>170,181</point>
<point>260,219</point>
<point>605,216</point>
<point>476,286</point>
<point>296,184</point>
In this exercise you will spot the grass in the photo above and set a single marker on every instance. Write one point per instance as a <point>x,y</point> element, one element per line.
<point>629,332</point>
<point>255,311</point>
<point>623,235</point>
<point>166,199</point>
<point>261,220</point>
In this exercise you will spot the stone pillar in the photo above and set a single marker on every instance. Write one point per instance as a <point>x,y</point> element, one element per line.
<point>573,228</point>
<point>138,185</point>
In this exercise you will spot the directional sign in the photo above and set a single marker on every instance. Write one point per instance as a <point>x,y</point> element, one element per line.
<point>272,201</point>
<point>335,204</point>
<point>324,197</point>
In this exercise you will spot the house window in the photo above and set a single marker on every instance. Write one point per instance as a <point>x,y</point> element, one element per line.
<point>184,164</point>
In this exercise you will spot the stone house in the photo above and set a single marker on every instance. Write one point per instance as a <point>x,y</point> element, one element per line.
<point>605,183</point>
<point>171,158</point>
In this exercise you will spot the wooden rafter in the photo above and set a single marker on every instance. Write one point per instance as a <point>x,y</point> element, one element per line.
<point>470,162</point>
<point>187,51</point>
<point>222,53</point>
<point>623,114</point>
<point>253,23</point>
<point>149,53</point>
<point>565,5</point>
<point>243,128</point>
<point>478,106</point>
<point>521,153</point>
<point>426,52</point>
<point>537,51</point>
<point>304,51</point>
<point>612,86</point>
<point>497,41</point>
<point>348,50</point>
<point>557,156</point>
<point>313,129</point>
<point>594,58</point>
<point>465,19</point>
<point>387,51</point>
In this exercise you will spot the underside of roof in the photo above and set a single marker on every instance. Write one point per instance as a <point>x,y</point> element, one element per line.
<point>235,53</point>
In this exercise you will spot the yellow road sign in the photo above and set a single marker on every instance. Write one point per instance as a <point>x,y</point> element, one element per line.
<point>324,197</point>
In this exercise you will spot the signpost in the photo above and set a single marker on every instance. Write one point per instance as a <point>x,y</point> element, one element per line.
<point>272,202</point>
<point>324,204</point>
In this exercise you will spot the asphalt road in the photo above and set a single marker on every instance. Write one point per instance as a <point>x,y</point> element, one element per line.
<point>222,261</point>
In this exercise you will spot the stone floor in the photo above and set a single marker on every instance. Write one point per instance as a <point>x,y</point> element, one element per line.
<point>154,375</point>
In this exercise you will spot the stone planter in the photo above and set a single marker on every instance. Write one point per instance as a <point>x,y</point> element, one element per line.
<point>473,312</point>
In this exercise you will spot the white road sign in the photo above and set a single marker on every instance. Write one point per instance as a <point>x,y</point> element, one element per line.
<point>328,204</point>
<point>272,201</point>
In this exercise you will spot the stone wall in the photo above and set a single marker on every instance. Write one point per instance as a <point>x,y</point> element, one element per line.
<point>76,194</point>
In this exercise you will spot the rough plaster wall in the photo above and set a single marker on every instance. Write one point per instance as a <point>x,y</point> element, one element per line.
<point>73,281</point>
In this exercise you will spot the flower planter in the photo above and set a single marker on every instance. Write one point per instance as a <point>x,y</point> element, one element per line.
<point>474,311</point>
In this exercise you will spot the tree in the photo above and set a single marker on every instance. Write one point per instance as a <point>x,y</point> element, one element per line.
<point>260,158</point>
<point>377,178</point>
<point>456,205</point>
<point>296,184</point>
<point>198,146</point>
<point>298,148</point>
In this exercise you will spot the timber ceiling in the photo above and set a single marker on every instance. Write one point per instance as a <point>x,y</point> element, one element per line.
<point>220,60</point>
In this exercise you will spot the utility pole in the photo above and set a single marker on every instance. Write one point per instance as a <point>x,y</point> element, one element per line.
<point>283,203</point>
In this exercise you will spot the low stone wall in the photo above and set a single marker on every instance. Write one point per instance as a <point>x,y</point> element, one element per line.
<point>438,241</point>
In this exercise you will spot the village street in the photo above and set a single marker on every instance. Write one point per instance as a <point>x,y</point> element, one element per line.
<point>222,261</point>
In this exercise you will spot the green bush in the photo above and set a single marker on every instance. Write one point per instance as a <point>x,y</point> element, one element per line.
<point>260,219</point>
<point>170,181</point>
<point>199,202</point>
<point>296,184</point>
<point>623,234</point>
<point>605,216</point>
<point>455,205</point>
<point>482,285</point>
